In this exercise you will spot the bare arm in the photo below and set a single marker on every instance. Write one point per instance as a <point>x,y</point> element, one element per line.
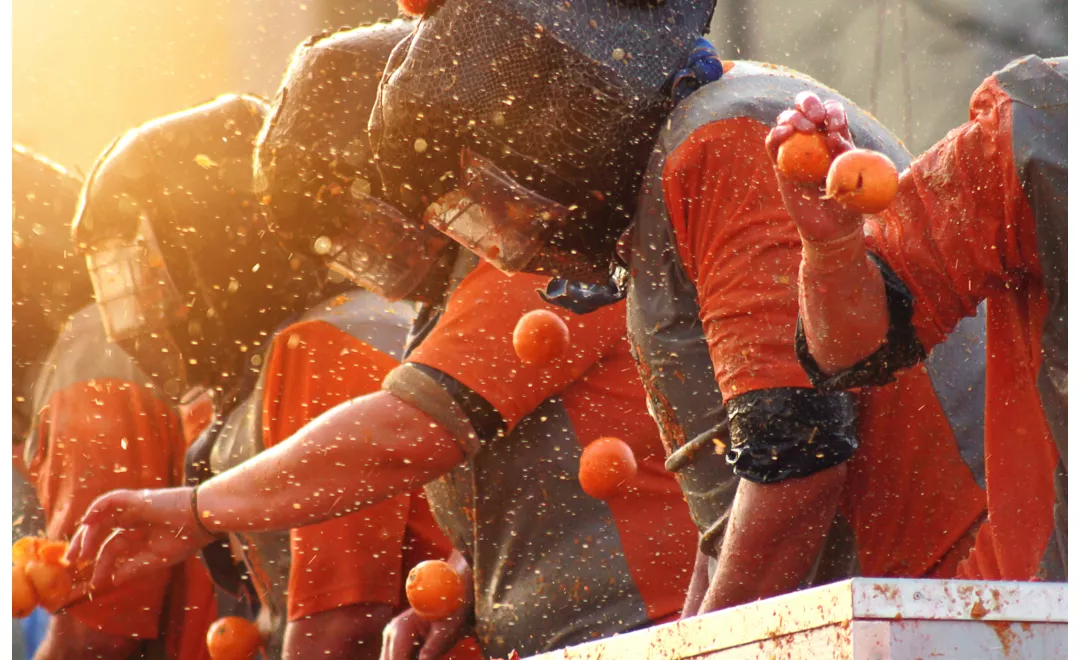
<point>376,447</point>
<point>68,638</point>
<point>775,534</point>
<point>369,450</point>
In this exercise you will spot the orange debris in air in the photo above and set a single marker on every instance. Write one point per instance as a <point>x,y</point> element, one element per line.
<point>606,465</point>
<point>540,337</point>
<point>434,589</point>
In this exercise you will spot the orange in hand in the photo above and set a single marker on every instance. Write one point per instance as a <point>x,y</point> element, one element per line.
<point>23,597</point>
<point>51,581</point>
<point>25,549</point>
<point>434,589</point>
<point>804,158</point>
<point>606,464</point>
<point>233,638</point>
<point>862,180</point>
<point>540,337</point>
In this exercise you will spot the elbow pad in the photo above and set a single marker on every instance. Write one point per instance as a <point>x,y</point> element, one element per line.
<point>901,349</point>
<point>788,433</point>
<point>466,415</point>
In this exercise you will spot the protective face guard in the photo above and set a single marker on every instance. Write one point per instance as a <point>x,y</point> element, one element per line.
<point>381,251</point>
<point>494,216</point>
<point>132,286</point>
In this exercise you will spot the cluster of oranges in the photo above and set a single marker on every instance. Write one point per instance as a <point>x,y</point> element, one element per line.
<point>861,180</point>
<point>39,576</point>
<point>434,589</point>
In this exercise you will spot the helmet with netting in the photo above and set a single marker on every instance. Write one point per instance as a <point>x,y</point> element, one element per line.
<point>566,97</point>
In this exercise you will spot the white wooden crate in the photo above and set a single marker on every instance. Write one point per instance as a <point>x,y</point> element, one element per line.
<point>863,619</point>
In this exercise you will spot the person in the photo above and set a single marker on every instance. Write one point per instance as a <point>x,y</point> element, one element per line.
<point>49,285</point>
<point>712,269</point>
<point>498,442</point>
<point>178,186</point>
<point>980,216</point>
<point>346,576</point>
<point>228,344</point>
<point>101,423</point>
<point>93,422</point>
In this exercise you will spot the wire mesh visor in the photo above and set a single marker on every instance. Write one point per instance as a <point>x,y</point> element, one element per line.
<point>380,250</point>
<point>132,286</point>
<point>494,216</point>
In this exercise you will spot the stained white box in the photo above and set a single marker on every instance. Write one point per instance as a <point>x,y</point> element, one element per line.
<point>863,619</point>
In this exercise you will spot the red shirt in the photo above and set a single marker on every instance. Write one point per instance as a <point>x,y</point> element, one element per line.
<point>312,366</point>
<point>599,389</point>
<point>910,497</point>
<point>101,426</point>
<point>960,231</point>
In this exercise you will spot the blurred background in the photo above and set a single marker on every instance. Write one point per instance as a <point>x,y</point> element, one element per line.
<point>85,72</point>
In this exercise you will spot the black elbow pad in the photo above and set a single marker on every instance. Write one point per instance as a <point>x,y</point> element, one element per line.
<point>485,420</point>
<point>900,350</point>
<point>791,432</point>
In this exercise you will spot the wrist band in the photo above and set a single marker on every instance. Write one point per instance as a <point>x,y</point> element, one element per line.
<point>195,511</point>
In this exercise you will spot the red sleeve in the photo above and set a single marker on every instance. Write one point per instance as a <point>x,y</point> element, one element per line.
<point>473,341</point>
<point>313,367</point>
<point>359,558</point>
<point>742,251</point>
<point>92,438</point>
<point>960,227</point>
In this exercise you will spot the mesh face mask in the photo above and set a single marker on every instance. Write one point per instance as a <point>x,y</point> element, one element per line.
<point>565,99</point>
<point>379,249</point>
<point>494,216</point>
<point>132,286</point>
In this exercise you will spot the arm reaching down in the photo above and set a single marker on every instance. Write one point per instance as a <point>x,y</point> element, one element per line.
<point>775,534</point>
<point>377,445</point>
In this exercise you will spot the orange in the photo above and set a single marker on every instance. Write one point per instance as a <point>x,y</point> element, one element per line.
<point>23,597</point>
<point>233,638</point>
<point>413,7</point>
<point>540,337</point>
<point>434,589</point>
<point>52,552</point>
<point>862,180</point>
<point>804,158</point>
<point>25,549</point>
<point>606,465</point>
<point>52,582</point>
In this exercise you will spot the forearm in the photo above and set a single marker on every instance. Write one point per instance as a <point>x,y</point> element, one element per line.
<point>367,450</point>
<point>842,302</point>
<point>774,536</point>
<point>353,631</point>
<point>68,638</point>
<point>699,583</point>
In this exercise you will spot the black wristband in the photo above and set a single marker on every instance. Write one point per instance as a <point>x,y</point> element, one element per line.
<point>900,350</point>
<point>788,433</point>
<point>195,511</point>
